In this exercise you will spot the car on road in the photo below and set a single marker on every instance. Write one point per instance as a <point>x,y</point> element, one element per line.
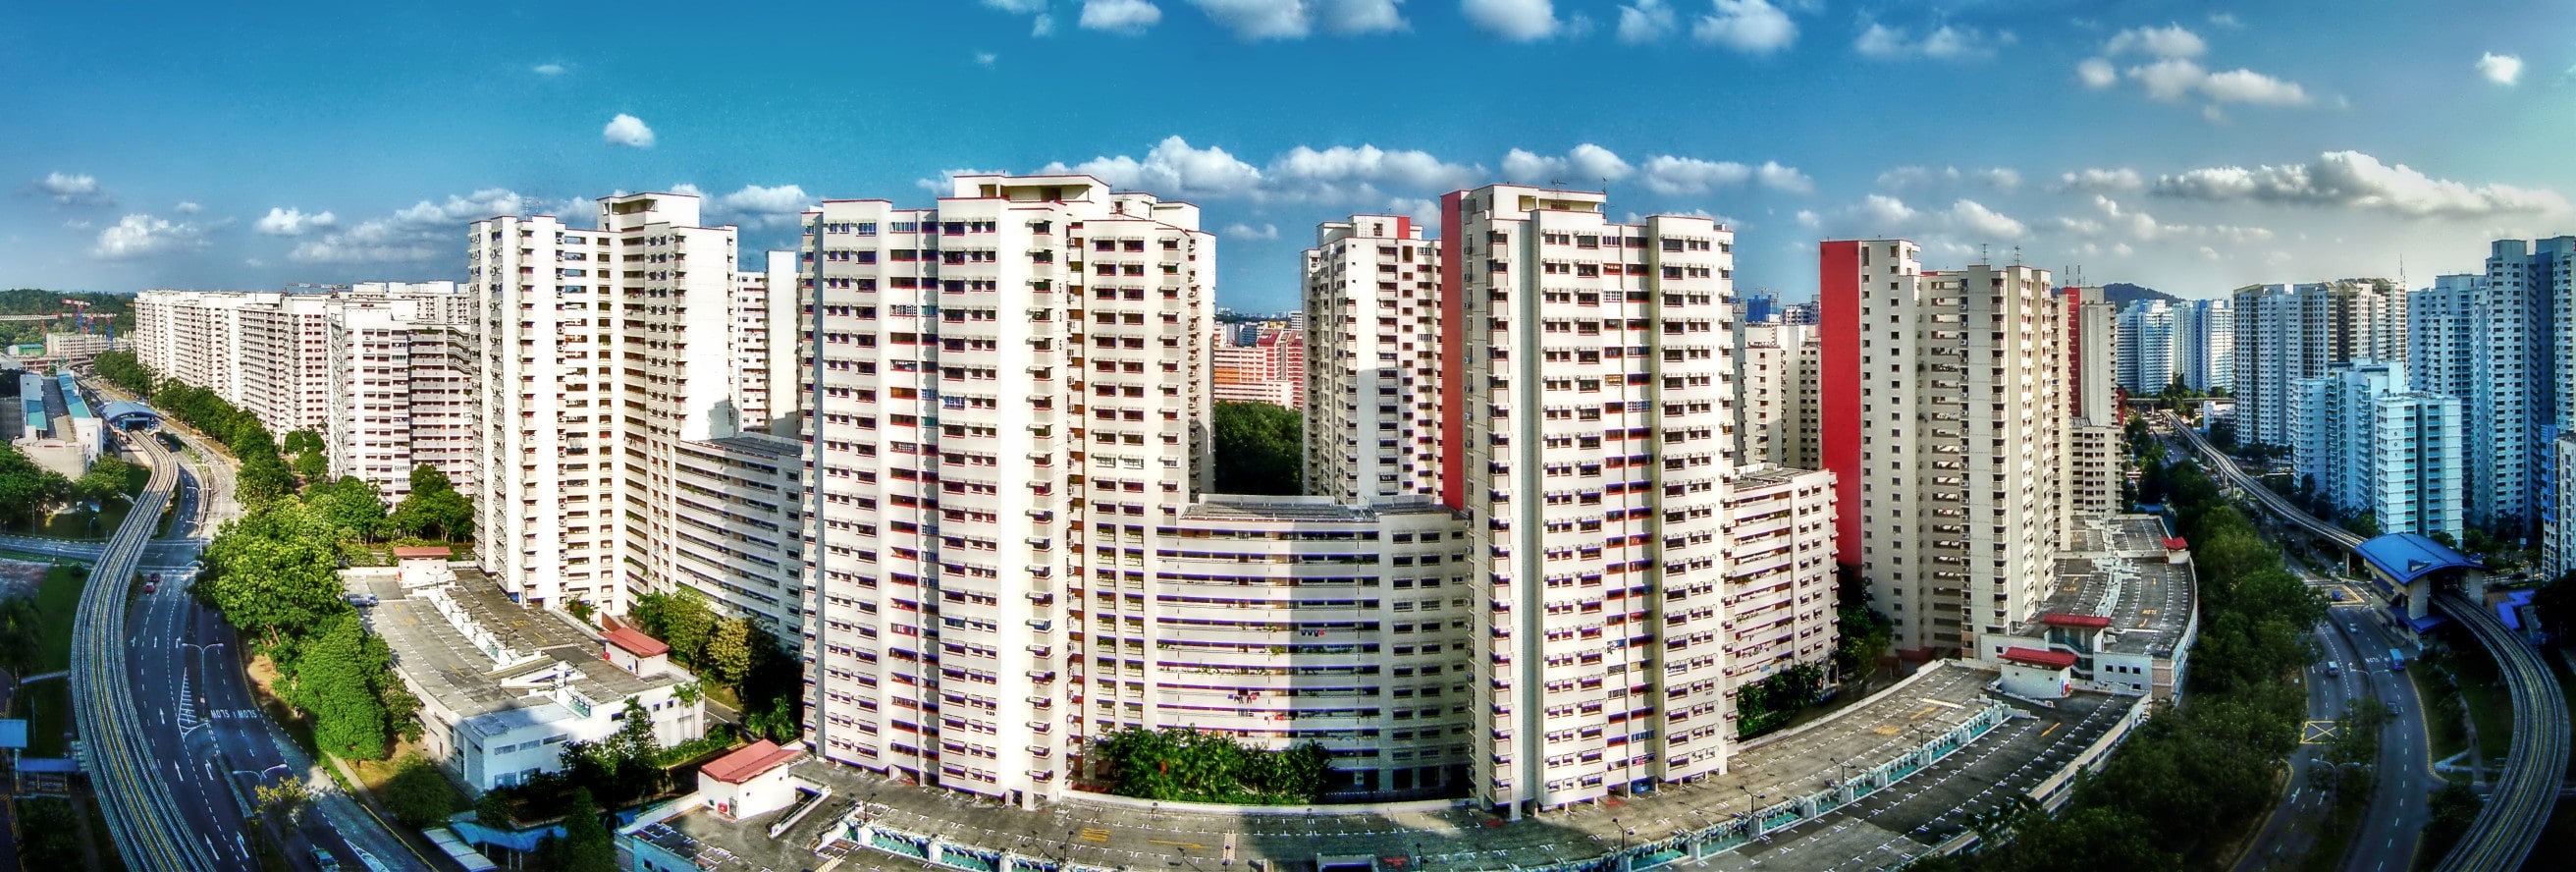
<point>2334,670</point>
<point>151,586</point>
<point>323,860</point>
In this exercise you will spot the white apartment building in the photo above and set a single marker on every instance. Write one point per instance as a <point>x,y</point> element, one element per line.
<point>286,363</point>
<point>401,385</point>
<point>617,458</point>
<point>2204,345</point>
<point>1777,384</point>
<point>2285,333</point>
<point>1587,411</point>
<point>1283,620</point>
<point>2372,447</point>
<point>1008,413</point>
<point>2147,340</point>
<point>194,336</point>
<point>1372,360</point>
<point>2093,455</point>
<point>1946,428</point>
<point>266,352</point>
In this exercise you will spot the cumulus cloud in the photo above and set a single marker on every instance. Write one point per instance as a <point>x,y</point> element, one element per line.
<point>69,189</point>
<point>1517,20</point>
<point>547,69</point>
<point>759,206</point>
<point>1749,26</point>
<point>627,130</point>
<point>1943,43</point>
<point>293,222</point>
<point>2163,42</point>
<point>2095,179</point>
<point>2352,180</point>
<point>141,235</point>
<point>1022,7</point>
<point>1342,174</point>
<point>187,207</point>
<point>1999,178</point>
<point>1240,230</point>
<point>2248,86</point>
<point>2145,227</point>
<point>426,230</point>
<point>1357,172</point>
<point>986,58</point>
<point>1888,213</point>
<point>1174,168</point>
<point>1668,174</point>
<point>2096,73</point>
<point>1976,218</point>
<point>2500,69</point>
<point>1647,21</point>
<point>1585,163</point>
<point>1120,16</point>
<point>1294,19</point>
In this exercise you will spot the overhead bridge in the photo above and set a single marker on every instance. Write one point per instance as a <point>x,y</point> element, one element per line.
<point>2424,576</point>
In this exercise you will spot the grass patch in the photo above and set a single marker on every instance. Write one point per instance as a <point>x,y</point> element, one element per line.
<point>2444,736</point>
<point>48,709</point>
<point>103,841</point>
<point>58,600</point>
<point>47,705</point>
<point>2483,691</point>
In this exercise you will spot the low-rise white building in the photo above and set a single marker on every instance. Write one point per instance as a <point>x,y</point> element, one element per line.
<point>751,781</point>
<point>2121,620</point>
<point>504,687</point>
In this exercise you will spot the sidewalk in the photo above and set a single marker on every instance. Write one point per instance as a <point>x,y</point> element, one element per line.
<point>377,841</point>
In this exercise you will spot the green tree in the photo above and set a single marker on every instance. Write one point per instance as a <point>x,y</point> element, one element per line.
<point>586,845</point>
<point>301,442</point>
<point>2455,807</point>
<point>687,624</point>
<point>106,479</point>
<point>434,509</point>
<point>418,794</point>
<point>281,801</point>
<point>22,635</point>
<point>27,489</point>
<point>333,682</point>
<point>351,506</point>
<point>1260,449</point>
<point>728,655</point>
<point>271,573</point>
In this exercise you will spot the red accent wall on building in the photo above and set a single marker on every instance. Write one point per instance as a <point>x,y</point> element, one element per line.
<point>1838,289</point>
<point>1453,351</point>
<point>2074,350</point>
<point>1403,227</point>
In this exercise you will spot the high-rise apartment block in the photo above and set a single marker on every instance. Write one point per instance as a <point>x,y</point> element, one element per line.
<point>1586,402</point>
<point>1008,416</point>
<point>2204,345</point>
<point>2370,446</point>
<point>401,385</point>
<point>2494,340</point>
<point>617,461</point>
<point>2092,458</point>
<point>1944,425</point>
<point>265,352</point>
<point>2147,336</point>
<point>1264,364</point>
<point>2285,333</point>
<point>1777,391</point>
<point>1372,360</point>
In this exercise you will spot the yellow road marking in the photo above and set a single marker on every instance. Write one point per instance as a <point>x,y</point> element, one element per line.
<point>2316,732</point>
<point>1095,834</point>
<point>1190,845</point>
<point>2052,727</point>
<point>1889,730</point>
<point>1926,711</point>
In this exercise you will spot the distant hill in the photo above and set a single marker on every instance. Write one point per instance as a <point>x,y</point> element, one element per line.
<point>2123,293</point>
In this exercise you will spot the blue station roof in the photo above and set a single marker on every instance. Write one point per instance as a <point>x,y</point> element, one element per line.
<point>2405,557</point>
<point>118,410</point>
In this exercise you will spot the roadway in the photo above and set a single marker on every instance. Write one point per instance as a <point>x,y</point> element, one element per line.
<point>2518,807</point>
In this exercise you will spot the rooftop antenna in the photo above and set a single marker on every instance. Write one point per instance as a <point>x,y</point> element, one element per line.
<point>2016,255</point>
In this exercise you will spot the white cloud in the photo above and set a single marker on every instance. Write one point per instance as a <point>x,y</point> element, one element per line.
<point>293,222</point>
<point>187,207</point>
<point>1362,16</point>
<point>1246,231</point>
<point>2248,86</point>
<point>1750,26</point>
<point>986,58</point>
<point>1120,16</point>
<point>1517,20</point>
<point>2096,179</point>
<point>1999,178</point>
<point>72,190</point>
<point>139,235</point>
<point>1042,25</point>
<point>1260,19</point>
<point>2500,69</point>
<point>1173,168</point>
<point>2096,73</point>
<point>2163,42</point>
<point>1943,43</point>
<point>1647,21</point>
<point>759,206</point>
<point>425,231</point>
<point>1887,213</point>
<point>1585,163</point>
<point>1974,217</point>
<point>1356,172</point>
<point>1808,218</point>
<point>627,130</point>
<point>2352,180</point>
<point>547,69</point>
<point>1425,213</point>
<point>1668,174</point>
<point>1021,7</point>
<point>945,183</point>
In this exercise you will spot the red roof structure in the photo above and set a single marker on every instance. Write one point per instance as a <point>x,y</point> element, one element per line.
<point>2064,619</point>
<point>637,643</point>
<point>2175,543</point>
<point>2037,657</point>
<point>749,761</point>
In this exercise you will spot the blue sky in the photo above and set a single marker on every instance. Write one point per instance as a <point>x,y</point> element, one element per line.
<point>2189,146</point>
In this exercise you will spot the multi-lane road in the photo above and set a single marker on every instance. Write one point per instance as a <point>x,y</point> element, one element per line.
<point>2518,806</point>
<point>179,745</point>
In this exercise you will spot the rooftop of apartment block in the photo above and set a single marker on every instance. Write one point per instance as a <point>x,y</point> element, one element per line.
<point>2117,576</point>
<point>461,677</point>
<point>1767,475</point>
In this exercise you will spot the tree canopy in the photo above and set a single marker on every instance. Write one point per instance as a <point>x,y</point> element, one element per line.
<point>434,509</point>
<point>27,489</point>
<point>1181,764</point>
<point>1260,449</point>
